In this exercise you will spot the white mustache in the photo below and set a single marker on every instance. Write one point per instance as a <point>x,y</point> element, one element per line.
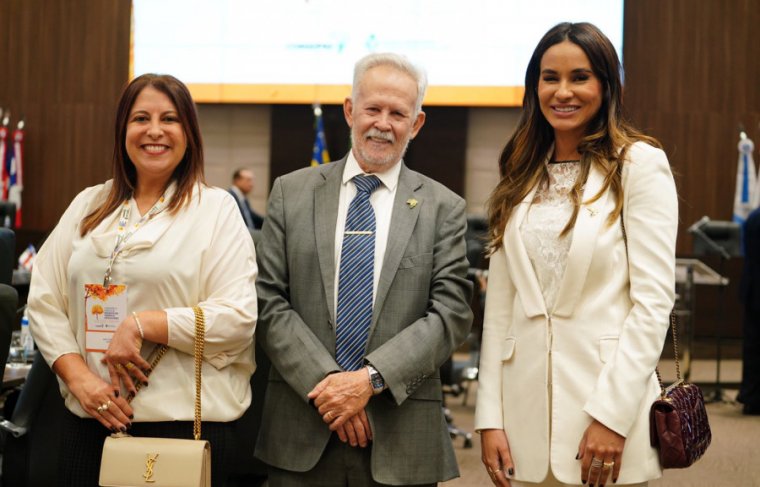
<point>373,132</point>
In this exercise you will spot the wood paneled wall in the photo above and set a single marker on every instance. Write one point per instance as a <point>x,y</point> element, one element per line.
<point>692,76</point>
<point>64,63</point>
<point>438,151</point>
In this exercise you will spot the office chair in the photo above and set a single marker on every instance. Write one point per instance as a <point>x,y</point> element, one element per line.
<point>7,254</point>
<point>456,375</point>
<point>475,239</point>
<point>713,235</point>
<point>30,453</point>
<point>462,372</point>
<point>8,303</point>
<point>7,214</point>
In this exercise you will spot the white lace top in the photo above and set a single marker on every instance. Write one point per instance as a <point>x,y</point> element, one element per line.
<point>550,211</point>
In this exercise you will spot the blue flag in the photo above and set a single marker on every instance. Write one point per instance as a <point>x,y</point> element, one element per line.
<point>319,154</point>
<point>745,197</point>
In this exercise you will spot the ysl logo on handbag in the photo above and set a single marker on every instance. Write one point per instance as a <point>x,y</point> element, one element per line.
<point>150,460</point>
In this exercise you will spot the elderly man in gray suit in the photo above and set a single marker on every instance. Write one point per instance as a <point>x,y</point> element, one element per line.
<point>363,295</point>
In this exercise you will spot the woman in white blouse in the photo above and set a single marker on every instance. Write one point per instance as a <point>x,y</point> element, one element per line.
<point>120,274</point>
<point>575,319</point>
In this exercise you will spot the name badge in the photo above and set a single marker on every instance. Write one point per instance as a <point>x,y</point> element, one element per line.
<point>105,307</point>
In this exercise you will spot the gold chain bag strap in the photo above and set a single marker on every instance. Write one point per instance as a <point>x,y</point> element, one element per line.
<point>130,461</point>
<point>678,425</point>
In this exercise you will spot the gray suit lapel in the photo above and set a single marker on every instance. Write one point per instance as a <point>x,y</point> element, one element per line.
<point>326,198</point>
<point>403,220</point>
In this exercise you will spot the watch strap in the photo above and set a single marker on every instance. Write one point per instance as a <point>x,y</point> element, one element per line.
<point>375,380</point>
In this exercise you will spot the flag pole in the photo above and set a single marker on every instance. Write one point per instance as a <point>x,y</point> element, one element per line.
<point>319,153</point>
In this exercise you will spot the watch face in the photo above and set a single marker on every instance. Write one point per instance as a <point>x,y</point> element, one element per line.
<point>377,381</point>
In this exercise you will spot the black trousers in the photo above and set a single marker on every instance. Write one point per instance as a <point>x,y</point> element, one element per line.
<point>81,447</point>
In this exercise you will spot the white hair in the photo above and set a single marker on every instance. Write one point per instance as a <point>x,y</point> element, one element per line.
<point>396,61</point>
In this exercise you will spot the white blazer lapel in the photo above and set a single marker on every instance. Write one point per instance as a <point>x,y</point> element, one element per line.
<point>518,262</point>
<point>591,217</point>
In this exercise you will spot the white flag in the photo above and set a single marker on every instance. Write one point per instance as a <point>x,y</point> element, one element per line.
<point>746,197</point>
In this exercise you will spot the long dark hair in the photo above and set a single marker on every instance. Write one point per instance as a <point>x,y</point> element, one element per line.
<point>186,174</point>
<point>605,144</point>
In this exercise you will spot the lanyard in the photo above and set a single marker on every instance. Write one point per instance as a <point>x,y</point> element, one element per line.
<point>122,237</point>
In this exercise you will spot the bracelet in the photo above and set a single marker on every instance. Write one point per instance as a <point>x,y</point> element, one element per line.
<point>139,325</point>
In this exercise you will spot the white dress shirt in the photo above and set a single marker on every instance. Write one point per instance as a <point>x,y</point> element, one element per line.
<point>381,201</point>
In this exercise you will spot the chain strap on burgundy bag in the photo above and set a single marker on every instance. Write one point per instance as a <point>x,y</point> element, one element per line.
<point>678,425</point>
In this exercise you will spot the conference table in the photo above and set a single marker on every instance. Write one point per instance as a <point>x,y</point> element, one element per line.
<point>21,277</point>
<point>15,375</point>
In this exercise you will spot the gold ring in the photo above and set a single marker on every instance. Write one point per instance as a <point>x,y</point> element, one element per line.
<point>329,415</point>
<point>130,366</point>
<point>608,464</point>
<point>493,471</point>
<point>104,406</point>
<point>118,367</point>
<point>99,409</point>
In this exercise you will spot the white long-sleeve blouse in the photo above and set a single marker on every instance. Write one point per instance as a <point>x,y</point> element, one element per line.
<point>202,255</point>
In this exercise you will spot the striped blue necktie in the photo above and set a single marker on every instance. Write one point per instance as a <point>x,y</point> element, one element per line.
<point>356,276</point>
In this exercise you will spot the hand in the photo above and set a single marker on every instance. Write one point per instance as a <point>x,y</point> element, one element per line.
<point>123,357</point>
<point>496,456</point>
<point>93,393</point>
<point>356,431</point>
<point>601,451</point>
<point>338,397</point>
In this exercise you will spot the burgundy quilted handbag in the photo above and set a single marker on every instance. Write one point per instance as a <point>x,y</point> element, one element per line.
<point>678,425</point>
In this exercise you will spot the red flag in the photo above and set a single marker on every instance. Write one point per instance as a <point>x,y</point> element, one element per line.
<point>3,172</point>
<point>15,171</point>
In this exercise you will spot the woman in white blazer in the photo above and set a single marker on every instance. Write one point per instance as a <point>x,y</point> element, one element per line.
<point>575,319</point>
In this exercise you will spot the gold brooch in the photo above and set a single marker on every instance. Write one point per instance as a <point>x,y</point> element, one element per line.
<point>411,202</point>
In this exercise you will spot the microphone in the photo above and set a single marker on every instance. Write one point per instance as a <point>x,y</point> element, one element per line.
<point>698,224</point>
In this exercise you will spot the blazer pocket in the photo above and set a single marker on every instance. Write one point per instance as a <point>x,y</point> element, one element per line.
<point>507,349</point>
<point>607,347</point>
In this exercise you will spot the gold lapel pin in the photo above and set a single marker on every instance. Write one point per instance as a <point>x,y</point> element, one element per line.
<point>411,202</point>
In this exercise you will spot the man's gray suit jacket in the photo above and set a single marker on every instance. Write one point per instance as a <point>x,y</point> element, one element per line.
<point>421,315</point>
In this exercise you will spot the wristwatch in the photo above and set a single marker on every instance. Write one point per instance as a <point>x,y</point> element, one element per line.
<point>376,380</point>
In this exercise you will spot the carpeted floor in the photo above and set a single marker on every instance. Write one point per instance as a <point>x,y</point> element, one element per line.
<point>733,459</point>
